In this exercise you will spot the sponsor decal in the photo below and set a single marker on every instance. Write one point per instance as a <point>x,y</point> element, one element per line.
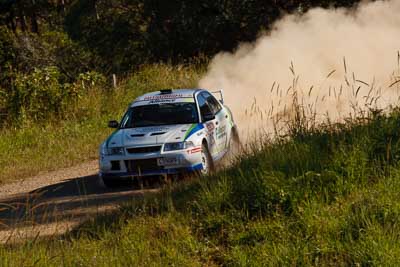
<point>210,126</point>
<point>162,101</point>
<point>159,97</point>
<point>221,132</point>
<point>151,129</point>
<point>221,129</point>
<point>194,150</point>
<point>221,135</point>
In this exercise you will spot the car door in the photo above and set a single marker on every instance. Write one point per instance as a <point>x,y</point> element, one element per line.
<point>210,122</point>
<point>220,122</point>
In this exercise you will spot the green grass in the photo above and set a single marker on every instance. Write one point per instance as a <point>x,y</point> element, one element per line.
<point>328,196</point>
<point>31,148</point>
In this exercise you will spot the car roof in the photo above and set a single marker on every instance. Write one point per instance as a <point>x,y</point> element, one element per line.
<point>167,94</point>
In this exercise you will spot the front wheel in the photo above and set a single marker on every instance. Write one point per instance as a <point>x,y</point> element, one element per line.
<point>206,160</point>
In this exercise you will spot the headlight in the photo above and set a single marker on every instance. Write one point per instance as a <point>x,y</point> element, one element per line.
<point>177,146</point>
<point>114,151</point>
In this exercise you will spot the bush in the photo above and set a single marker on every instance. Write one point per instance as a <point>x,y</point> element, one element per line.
<point>71,58</point>
<point>40,95</point>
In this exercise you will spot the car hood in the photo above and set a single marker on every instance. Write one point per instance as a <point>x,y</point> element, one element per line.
<point>144,136</point>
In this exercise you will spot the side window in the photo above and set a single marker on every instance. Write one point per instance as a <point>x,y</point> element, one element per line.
<point>204,106</point>
<point>212,102</point>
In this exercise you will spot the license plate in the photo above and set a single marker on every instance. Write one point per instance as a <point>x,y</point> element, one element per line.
<point>167,161</point>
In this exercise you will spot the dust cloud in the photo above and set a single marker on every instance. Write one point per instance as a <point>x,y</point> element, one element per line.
<point>333,62</point>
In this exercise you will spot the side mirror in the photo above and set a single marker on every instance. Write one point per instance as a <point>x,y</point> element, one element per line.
<point>208,117</point>
<point>113,124</point>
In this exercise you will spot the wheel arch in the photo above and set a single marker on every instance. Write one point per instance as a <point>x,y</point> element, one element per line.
<point>204,142</point>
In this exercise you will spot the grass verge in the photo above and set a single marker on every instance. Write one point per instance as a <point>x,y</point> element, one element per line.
<point>326,196</point>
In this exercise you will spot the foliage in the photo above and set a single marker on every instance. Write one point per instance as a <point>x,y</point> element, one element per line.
<point>138,31</point>
<point>40,95</point>
<point>110,28</point>
<point>37,95</point>
<point>39,75</point>
<point>7,56</point>
<point>67,55</point>
<point>122,35</point>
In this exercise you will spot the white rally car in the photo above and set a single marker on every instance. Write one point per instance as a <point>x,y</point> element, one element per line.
<point>168,132</point>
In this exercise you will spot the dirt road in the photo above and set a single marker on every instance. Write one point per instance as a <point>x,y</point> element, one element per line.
<point>55,202</point>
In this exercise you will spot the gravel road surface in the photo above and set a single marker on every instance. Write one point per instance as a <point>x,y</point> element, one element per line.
<point>55,202</point>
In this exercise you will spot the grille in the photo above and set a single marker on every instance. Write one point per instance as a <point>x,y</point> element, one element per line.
<point>142,165</point>
<point>146,149</point>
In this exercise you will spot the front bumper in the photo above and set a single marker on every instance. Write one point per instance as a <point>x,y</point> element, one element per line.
<point>124,166</point>
<point>151,173</point>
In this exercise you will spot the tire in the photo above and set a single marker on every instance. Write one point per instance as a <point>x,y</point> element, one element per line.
<point>206,160</point>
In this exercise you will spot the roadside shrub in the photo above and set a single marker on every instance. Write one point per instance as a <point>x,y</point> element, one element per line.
<point>36,95</point>
<point>70,58</point>
<point>40,95</point>
<point>90,79</point>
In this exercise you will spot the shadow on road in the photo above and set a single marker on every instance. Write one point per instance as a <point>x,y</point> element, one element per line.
<point>74,199</point>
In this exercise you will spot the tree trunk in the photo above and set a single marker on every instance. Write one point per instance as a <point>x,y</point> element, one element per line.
<point>61,6</point>
<point>21,16</point>
<point>11,20</point>
<point>34,23</point>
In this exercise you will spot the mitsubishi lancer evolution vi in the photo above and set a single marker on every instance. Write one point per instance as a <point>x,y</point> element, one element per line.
<point>168,133</point>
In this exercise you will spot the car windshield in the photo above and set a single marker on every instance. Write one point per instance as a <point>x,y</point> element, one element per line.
<point>160,114</point>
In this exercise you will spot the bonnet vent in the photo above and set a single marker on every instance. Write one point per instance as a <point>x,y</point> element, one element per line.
<point>153,134</point>
<point>137,135</point>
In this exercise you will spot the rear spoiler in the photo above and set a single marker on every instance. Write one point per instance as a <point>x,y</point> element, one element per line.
<point>221,95</point>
